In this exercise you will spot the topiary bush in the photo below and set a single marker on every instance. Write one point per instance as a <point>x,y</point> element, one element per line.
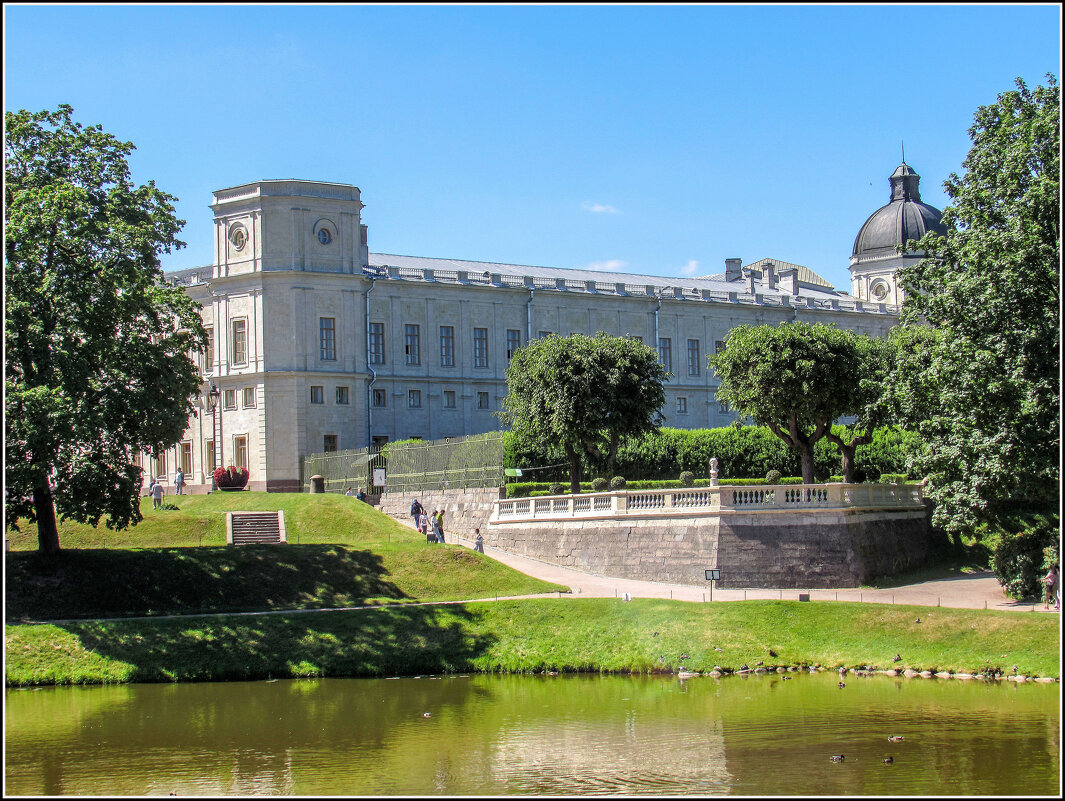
<point>772,477</point>
<point>1019,560</point>
<point>687,479</point>
<point>600,484</point>
<point>556,489</point>
<point>617,483</point>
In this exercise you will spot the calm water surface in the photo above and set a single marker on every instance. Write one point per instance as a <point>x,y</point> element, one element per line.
<point>531,735</point>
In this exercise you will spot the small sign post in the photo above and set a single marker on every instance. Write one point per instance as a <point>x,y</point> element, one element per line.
<point>712,576</point>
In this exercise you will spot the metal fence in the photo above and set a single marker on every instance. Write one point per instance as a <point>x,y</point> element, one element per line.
<point>343,469</point>
<point>452,463</point>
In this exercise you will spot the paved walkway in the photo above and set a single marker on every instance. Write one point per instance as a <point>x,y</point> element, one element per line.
<point>971,591</point>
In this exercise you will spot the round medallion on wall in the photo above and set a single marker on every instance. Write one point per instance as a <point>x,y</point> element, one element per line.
<point>879,290</point>
<point>324,236</point>
<point>238,236</point>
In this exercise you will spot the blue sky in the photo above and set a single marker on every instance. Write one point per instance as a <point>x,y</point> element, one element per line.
<point>651,139</point>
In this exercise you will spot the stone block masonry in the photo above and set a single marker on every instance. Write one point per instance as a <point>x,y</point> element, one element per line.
<point>464,510</point>
<point>790,549</point>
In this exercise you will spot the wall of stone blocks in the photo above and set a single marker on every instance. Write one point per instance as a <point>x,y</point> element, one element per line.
<point>831,548</point>
<point>464,510</point>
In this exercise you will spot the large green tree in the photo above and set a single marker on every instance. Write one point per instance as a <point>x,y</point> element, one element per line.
<point>797,378</point>
<point>985,391</point>
<point>97,343</point>
<point>584,394</point>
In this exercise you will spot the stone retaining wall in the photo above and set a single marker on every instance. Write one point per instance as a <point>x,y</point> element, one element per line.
<point>801,550</point>
<point>464,510</point>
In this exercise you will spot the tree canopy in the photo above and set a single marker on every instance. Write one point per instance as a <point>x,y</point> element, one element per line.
<point>584,394</point>
<point>797,378</point>
<point>985,390</point>
<point>97,363</point>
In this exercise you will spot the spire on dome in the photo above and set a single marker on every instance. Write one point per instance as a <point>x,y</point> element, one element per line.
<point>904,183</point>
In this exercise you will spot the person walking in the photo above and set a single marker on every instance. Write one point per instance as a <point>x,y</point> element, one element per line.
<point>478,543</point>
<point>438,525</point>
<point>351,492</point>
<point>157,494</point>
<point>416,511</point>
<point>179,482</point>
<point>361,495</point>
<point>1053,588</point>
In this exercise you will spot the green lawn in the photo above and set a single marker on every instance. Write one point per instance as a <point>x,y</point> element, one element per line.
<point>566,634</point>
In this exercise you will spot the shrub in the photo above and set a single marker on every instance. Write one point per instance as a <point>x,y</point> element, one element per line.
<point>617,483</point>
<point>1019,559</point>
<point>687,479</point>
<point>892,478</point>
<point>772,477</point>
<point>600,484</point>
<point>231,477</point>
<point>556,489</point>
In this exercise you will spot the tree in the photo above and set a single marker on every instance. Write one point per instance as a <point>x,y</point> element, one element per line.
<point>96,358</point>
<point>585,394</point>
<point>986,395</point>
<point>796,378</point>
<point>875,358</point>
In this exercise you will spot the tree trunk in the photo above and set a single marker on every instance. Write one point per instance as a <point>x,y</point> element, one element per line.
<point>848,451</point>
<point>47,532</point>
<point>806,458</point>
<point>574,469</point>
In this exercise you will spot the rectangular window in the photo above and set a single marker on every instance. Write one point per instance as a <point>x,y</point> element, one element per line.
<point>208,353</point>
<point>412,343</point>
<point>211,464</point>
<point>185,459</point>
<point>682,405</point>
<point>480,347</point>
<point>327,338</point>
<point>665,353</point>
<point>342,396</point>
<point>159,466</point>
<point>482,400</point>
<point>513,342</point>
<point>723,407</point>
<point>543,334</point>
<point>229,399</point>
<point>317,394</point>
<point>449,399</point>
<point>329,443</point>
<point>447,346</point>
<point>248,399</point>
<point>694,357</point>
<point>380,398</point>
<point>240,341</point>
<point>414,398</point>
<point>240,451</point>
<point>377,343</point>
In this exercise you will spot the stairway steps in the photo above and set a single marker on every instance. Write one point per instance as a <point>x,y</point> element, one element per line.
<point>259,528</point>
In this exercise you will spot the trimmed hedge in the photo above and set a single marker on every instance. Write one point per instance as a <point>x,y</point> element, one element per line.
<point>744,452</point>
<point>533,489</point>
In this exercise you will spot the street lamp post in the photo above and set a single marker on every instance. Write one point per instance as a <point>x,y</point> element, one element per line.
<point>211,399</point>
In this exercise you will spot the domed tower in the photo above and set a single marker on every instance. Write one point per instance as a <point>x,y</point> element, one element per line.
<point>874,260</point>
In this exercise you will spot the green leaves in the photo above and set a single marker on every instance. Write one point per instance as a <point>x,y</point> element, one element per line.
<point>583,394</point>
<point>96,341</point>
<point>985,387</point>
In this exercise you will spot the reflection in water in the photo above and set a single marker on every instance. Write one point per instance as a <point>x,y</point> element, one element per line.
<point>529,735</point>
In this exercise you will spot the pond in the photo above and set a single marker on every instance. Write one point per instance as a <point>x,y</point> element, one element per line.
<point>538,735</point>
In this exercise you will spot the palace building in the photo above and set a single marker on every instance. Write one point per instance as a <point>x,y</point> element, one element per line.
<point>318,344</point>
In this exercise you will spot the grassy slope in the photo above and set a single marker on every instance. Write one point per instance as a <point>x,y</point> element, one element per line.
<point>351,554</point>
<point>532,635</point>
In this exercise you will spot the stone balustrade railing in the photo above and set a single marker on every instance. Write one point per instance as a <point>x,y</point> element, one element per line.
<point>709,500</point>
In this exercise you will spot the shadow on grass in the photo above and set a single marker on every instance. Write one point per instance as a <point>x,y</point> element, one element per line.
<point>394,640</point>
<point>95,583</point>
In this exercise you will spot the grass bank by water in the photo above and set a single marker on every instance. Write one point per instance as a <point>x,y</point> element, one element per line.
<point>564,634</point>
<point>345,553</point>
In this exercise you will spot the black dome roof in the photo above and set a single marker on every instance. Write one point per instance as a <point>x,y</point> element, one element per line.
<point>901,220</point>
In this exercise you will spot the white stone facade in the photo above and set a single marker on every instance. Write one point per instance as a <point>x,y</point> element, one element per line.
<point>319,344</point>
